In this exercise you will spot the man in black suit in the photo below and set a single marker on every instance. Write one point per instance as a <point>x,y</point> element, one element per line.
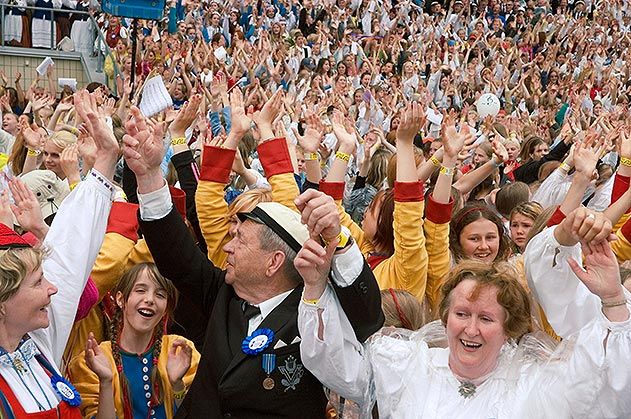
<point>251,365</point>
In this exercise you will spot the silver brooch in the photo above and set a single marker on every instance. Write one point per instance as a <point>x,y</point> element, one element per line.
<point>467,389</point>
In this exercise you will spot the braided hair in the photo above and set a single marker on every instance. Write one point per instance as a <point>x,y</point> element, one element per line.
<point>124,287</point>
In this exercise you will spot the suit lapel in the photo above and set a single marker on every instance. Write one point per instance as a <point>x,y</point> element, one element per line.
<point>281,318</point>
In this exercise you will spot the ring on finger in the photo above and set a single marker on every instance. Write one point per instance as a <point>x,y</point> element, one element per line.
<point>592,216</point>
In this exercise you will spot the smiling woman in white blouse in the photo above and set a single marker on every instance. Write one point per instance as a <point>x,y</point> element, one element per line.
<point>492,366</point>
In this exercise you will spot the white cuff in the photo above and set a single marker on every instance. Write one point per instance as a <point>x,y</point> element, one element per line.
<point>101,182</point>
<point>155,205</point>
<point>347,266</point>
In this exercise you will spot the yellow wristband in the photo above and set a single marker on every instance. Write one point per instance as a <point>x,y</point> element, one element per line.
<point>435,161</point>
<point>178,141</point>
<point>311,156</point>
<point>33,153</point>
<point>343,156</point>
<point>449,171</point>
<point>311,302</point>
<point>73,185</point>
<point>565,166</point>
<point>625,161</point>
<point>179,395</point>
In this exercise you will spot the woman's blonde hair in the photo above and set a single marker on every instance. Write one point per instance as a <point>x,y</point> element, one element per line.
<point>15,264</point>
<point>63,139</point>
<point>248,200</point>
<point>402,309</point>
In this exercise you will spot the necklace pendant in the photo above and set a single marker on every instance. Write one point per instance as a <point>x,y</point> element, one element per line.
<point>467,389</point>
<point>19,365</point>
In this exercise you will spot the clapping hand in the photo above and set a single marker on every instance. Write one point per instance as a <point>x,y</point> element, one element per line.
<point>144,150</point>
<point>179,362</point>
<point>104,139</point>
<point>314,132</point>
<point>26,209</point>
<point>97,361</point>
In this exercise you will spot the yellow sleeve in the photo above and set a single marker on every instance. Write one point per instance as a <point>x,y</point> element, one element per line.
<point>111,261</point>
<point>622,246</point>
<point>211,213</point>
<point>439,259</point>
<point>407,268</point>
<point>284,189</point>
<point>621,222</point>
<point>108,66</point>
<point>87,383</point>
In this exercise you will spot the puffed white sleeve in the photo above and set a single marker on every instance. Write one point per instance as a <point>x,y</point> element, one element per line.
<point>73,243</point>
<point>597,376</point>
<point>330,350</point>
<point>553,190</point>
<point>566,301</point>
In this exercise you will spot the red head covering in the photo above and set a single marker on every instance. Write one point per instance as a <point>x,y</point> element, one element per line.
<point>9,239</point>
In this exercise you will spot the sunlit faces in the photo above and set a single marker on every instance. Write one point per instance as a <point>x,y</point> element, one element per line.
<point>520,226</point>
<point>475,330</point>
<point>145,306</point>
<point>52,159</point>
<point>27,310</point>
<point>480,240</point>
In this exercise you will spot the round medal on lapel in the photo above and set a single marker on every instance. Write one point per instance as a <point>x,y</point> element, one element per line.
<point>257,341</point>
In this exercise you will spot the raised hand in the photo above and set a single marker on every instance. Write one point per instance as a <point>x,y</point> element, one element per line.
<point>319,214</point>
<point>185,116</point>
<point>241,122</point>
<point>87,148</point>
<point>344,133</point>
<point>313,263</point>
<point>583,225</point>
<point>454,141</point>
<point>26,209</point>
<point>586,154</point>
<point>314,133</point>
<point>104,139</point>
<point>499,150</point>
<point>412,120</point>
<point>6,216</point>
<point>97,361</point>
<point>144,150</point>
<point>69,161</point>
<point>179,361</point>
<point>268,114</point>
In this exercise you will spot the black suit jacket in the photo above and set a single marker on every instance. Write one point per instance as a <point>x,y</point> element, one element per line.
<point>228,382</point>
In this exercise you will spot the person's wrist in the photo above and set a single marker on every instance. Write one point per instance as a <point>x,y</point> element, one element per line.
<point>313,292</point>
<point>613,298</point>
<point>178,386</point>
<point>150,181</point>
<point>105,381</point>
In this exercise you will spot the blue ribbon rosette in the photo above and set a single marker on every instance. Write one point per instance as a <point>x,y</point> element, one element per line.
<point>257,341</point>
<point>65,390</point>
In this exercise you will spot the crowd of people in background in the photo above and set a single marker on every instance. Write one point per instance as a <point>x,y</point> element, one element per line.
<point>327,168</point>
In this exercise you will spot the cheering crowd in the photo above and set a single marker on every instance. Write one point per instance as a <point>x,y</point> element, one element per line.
<point>351,210</point>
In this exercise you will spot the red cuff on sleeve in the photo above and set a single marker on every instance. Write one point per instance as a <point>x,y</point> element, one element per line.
<point>626,230</point>
<point>408,191</point>
<point>556,218</point>
<point>216,164</point>
<point>620,186</point>
<point>333,189</point>
<point>438,213</point>
<point>274,156</point>
<point>178,197</point>
<point>123,220</point>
